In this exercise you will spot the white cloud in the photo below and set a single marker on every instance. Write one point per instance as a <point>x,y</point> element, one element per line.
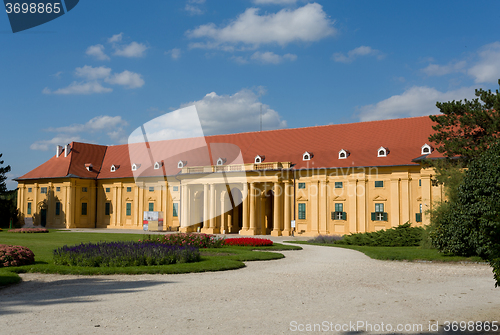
<point>357,52</point>
<point>193,10</point>
<point>305,24</point>
<point>45,145</point>
<point>57,74</point>
<point>93,73</point>
<point>272,58</point>
<point>132,50</point>
<point>126,78</point>
<point>80,88</point>
<point>487,69</point>
<point>115,38</point>
<point>441,70</point>
<point>416,101</point>
<point>275,2</point>
<point>175,53</point>
<point>112,126</point>
<point>223,114</point>
<point>97,51</point>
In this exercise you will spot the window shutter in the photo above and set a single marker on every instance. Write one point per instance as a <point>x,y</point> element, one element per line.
<point>344,216</point>
<point>333,215</point>
<point>373,216</point>
<point>385,216</point>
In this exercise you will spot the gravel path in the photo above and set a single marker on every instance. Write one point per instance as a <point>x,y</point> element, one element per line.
<point>318,285</point>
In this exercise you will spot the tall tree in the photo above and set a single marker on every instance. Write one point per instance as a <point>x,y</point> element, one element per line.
<point>467,128</point>
<point>3,177</point>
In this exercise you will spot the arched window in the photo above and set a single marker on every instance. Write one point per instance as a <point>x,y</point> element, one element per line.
<point>426,149</point>
<point>382,152</point>
<point>306,156</point>
<point>343,154</point>
<point>259,159</point>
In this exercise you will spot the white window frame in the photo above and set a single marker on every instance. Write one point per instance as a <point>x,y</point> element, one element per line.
<point>385,152</point>
<point>134,167</point>
<point>181,164</point>
<point>345,152</point>
<point>426,147</point>
<point>221,161</point>
<point>259,159</point>
<point>306,156</point>
<point>113,168</point>
<point>157,165</point>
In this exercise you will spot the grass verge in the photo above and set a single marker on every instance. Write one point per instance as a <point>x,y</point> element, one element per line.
<point>216,259</point>
<point>401,253</point>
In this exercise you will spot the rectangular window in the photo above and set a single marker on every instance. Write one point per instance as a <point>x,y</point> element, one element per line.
<point>302,211</point>
<point>151,206</point>
<point>58,208</point>
<point>339,213</point>
<point>379,183</point>
<point>379,214</point>
<point>420,207</point>
<point>43,190</point>
<point>176,188</point>
<point>108,189</point>
<point>338,184</point>
<point>418,217</point>
<point>29,208</point>
<point>302,186</point>
<point>129,209</point>
<point>58,189</point>
<point>107,208</point>
<point>84,208</point>
<point>84,189</point>
<point>175,209</point>
<point>29,189</point>
<point>151,189</point>
<point>129,189</point>
<point>420,182</point>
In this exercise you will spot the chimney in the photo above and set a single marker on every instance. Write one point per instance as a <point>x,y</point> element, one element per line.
<point>67,148</point>
<point>59,150</point>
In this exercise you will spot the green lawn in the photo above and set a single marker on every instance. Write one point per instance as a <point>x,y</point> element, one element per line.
<point>401,253</point>
<point>43,244</point>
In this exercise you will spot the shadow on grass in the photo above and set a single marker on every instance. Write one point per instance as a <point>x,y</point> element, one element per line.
<point>66,291</point>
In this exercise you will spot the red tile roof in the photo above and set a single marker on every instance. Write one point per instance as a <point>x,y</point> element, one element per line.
<point>402,137</point>
<point>72,165</point>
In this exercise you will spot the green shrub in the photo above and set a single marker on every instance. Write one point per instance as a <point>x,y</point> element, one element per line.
<point>471,224</point>
<point>401,236</point>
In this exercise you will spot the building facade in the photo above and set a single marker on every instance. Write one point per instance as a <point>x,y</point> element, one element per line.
<point>335,179</point>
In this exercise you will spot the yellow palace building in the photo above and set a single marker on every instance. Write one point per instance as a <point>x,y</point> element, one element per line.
<point>334,179</point>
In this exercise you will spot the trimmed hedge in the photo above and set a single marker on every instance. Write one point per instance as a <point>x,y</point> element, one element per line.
<point>401,236</point>
<point>29,230</point>
<point>187,239</point>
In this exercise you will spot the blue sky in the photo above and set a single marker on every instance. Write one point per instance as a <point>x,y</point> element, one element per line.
<point>107,67</point>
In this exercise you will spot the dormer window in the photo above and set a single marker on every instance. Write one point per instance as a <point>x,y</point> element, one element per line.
<point>157,165</point>
<point>221,161</point>
<point>135,166</point>
<point>259,159</point>
<point>181,164</point>
<point>343,154</point>
<point>88,166</point>
<point>426,149</point>
<point>114,167</point>
<point>382,152</point>
<point>306,156</point>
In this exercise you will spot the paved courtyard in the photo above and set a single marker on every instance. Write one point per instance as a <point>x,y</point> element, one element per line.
<point>331,288</point>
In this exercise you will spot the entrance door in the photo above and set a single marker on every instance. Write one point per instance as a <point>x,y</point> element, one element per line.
<point>43,217</point>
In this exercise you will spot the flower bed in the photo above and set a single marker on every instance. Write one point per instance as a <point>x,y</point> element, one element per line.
<point>120,254</point>
<point>248,242</point>
<point>187,239</point>
<point>29,230</point>
<point>15,255</point>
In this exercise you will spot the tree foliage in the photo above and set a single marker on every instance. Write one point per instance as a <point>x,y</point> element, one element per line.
<point>8,200</point>
<point>467,128</point>
<point>470,225</point>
